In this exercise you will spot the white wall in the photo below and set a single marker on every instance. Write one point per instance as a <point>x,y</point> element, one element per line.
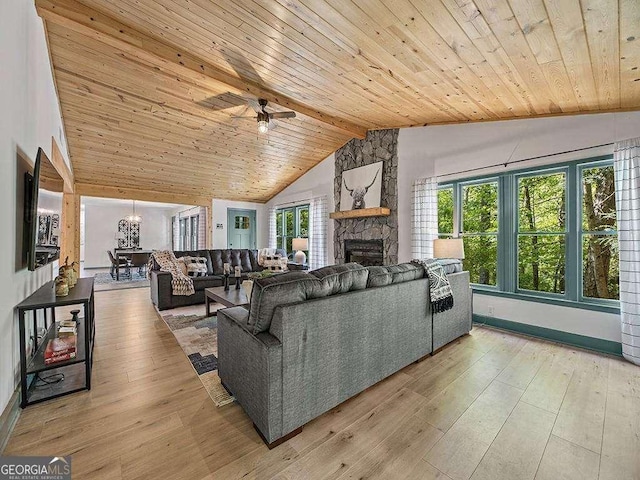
<point>101,225</point>
<point>219,216</point>
<point>29,117</point>
<point>316,182</point>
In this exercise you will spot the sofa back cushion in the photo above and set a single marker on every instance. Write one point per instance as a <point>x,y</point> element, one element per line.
<point>241,258</point>
<point>270,292</point>
<point>379,276</point>
<point>341,278</point>
<point>218,259</point>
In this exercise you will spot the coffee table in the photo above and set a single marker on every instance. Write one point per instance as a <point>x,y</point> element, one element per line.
<point>231,298</point>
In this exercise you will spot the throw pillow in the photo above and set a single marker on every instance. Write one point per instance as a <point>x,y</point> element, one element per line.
<point>196,266</point>
<point>182,265</point>
<point>274,263</point>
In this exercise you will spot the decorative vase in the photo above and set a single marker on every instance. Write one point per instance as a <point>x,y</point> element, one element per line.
<point>248,287</point>
<point>74,273</point>
<point>62,287</point>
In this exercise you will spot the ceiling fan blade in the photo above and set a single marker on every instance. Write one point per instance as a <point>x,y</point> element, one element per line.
<point>255,105</point>
<point>272,124</point>
<point>282,115</point>
<point>244,117</point>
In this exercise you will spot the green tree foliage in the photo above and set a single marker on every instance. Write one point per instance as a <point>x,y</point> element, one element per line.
<point>480,229</point>
<point>541,211</point>
<point>445,211</point>
<point>600,251</point>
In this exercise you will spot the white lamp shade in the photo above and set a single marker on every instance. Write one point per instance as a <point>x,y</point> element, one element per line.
<point>448,248</point>
<point>300,244</point>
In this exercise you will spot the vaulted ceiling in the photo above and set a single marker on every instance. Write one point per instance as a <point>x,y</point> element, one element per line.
<point>153,92</point>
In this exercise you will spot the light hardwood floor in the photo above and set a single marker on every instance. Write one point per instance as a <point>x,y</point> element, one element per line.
<point>491,405</point>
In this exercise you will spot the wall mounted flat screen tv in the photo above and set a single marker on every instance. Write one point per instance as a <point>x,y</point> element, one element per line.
<point>43,213</point>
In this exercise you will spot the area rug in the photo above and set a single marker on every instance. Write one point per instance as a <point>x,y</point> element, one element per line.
<point>197,334</point>
<point>104,281</point>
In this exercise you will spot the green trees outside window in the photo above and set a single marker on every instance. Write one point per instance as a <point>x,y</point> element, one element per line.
<point>291,222</point>
<point>542,232</point>
<point>480,231</point>
<point>548,232</point>
<point>600,270</point>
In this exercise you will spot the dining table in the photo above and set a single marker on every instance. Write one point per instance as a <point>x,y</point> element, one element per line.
<point>125,253</point>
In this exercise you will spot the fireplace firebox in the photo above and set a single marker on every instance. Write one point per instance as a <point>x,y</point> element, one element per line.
<point>364,252</point>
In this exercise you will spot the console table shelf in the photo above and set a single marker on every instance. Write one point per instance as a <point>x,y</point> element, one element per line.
<point>76,371</point>
<point>363,212</point>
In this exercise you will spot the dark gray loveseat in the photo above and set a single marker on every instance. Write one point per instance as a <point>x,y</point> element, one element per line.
<point>162,294</point>
<point>311,341</point>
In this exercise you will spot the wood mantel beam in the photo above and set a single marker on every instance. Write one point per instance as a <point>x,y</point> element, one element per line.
<point>91,23</point>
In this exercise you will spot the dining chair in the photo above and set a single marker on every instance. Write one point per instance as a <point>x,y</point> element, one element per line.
<point>139,261</point>
<point>116,264</point>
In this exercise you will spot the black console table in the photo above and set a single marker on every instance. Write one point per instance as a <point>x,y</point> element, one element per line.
<point>77,371</point>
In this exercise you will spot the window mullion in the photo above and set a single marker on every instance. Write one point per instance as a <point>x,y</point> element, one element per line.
<point>508,215</point>
<point>573,276</point>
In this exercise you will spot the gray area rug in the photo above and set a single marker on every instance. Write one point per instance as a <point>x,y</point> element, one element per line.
<point>104,281</point>
<point>197,334</point>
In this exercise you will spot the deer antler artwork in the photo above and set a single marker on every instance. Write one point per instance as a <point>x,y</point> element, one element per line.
<point>358,193</point>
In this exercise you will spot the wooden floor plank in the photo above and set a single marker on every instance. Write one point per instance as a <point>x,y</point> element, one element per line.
<point>581,417</point>
<point>461,449</point>
<point>564,460</point>
<point>518,448</point>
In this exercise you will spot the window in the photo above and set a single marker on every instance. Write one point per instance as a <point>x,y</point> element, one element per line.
<point>599,236</point>
<point>547,232</point>
<point>480,231</point>
<point>291,222</point>
<point>242,222</point>
<point>445,212</point>
<point>542,232</point>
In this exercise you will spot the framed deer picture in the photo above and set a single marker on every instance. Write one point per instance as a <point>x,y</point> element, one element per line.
<point>361,187</point>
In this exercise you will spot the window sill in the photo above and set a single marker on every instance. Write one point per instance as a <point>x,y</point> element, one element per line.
<point>597,307</point>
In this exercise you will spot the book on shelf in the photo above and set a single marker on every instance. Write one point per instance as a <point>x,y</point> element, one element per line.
<point>60,349</point>
<point>59,358</point>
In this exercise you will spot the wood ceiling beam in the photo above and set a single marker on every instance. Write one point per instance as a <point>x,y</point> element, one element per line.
<point>107,191</point>
<point>91,23</point>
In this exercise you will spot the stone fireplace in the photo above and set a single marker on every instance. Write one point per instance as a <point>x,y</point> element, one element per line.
<point>364,252</point>
<point>378,233</point>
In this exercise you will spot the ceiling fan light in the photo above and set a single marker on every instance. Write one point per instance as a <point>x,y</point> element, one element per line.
<point>263,126</point>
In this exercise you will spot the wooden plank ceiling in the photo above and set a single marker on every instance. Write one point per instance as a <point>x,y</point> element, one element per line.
<point>149,88</point>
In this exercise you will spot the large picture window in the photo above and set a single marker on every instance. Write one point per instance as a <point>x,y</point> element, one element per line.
<point>291,222</point>
<point>548,232</point>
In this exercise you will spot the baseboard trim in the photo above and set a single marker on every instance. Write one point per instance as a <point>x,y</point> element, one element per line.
<point>590,343</point>
<point>9,418</point>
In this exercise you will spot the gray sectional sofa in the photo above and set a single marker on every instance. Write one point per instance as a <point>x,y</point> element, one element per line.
<point>310,341</point>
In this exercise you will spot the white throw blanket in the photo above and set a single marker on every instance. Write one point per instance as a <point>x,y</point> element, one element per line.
<point>181,284</point>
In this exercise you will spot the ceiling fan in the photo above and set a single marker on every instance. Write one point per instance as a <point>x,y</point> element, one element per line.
<point>265,119</point>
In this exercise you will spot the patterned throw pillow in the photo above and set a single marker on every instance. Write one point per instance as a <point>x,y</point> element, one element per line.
<point>275,263</point>
<point>196,266</point>
<point>182,265</point>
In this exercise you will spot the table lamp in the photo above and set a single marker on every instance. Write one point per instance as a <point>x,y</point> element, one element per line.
<point>448,248</point>
<point>300,244</point>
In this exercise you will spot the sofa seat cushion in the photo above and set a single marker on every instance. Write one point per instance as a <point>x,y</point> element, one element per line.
<point>341,278</point>
<point>271,292</point>
<point>200,283</point>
